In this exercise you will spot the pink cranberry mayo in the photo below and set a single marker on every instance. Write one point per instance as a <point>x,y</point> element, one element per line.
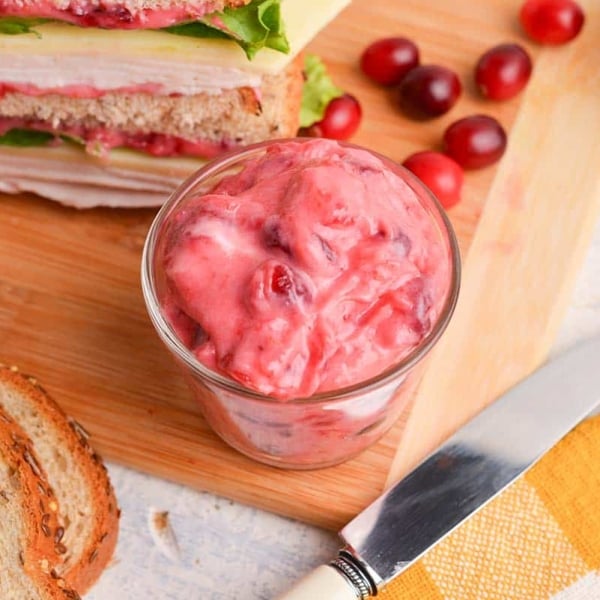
<point>87,13</point>
<point>100,140</point>
<point>312,269</point>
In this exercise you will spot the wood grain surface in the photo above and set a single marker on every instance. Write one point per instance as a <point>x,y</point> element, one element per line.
<point>71,309</point>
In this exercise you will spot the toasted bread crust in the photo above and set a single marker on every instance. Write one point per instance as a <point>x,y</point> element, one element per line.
<point>41,551</point>
<point>239,116</point>
<point>101,542</point>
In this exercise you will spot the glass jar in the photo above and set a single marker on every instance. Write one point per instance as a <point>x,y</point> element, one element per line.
<point>327,427</point>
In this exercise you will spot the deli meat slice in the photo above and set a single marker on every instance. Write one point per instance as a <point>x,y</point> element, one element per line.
<point>83,196</point>
<point>83,76</point>
<point>71,178</point>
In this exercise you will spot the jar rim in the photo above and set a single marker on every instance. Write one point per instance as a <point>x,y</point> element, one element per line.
<point>174,344</point>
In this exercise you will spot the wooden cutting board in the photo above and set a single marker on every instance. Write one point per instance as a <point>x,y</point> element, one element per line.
<point>71,309</point>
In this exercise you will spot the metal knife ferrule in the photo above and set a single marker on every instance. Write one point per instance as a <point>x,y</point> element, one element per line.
<point>352,569</point>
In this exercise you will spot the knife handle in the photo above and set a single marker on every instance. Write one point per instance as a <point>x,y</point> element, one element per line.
<point>324,583</point>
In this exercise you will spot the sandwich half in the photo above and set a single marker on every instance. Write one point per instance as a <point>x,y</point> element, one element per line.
<point>114,102</point>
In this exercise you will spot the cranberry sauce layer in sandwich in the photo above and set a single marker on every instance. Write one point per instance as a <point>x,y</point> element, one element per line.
<point>114,102</point>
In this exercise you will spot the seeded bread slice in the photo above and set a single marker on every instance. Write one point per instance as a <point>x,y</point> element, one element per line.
<point>88,509</point>
<point>30,536</point>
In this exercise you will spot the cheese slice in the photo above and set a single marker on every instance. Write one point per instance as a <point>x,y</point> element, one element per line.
<point>303,20</point>
<point>166,171</point>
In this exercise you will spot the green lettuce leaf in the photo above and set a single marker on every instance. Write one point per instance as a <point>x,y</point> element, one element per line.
<point>319,90</point>
<point>255,26</point>
<point>18,26</point>
<point>25,138</point>
<point>197,29</point>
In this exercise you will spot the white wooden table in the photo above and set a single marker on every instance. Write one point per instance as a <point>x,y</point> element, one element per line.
<point>228,551</point>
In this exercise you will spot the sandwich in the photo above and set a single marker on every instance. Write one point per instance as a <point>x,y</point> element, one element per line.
<point>115,102</point>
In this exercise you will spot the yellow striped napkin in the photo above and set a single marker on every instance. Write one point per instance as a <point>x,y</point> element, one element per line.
<point>539,540</point>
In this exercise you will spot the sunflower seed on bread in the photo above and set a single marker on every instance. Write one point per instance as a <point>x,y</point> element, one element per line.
<point>29,556</point>
<point>87,507</point>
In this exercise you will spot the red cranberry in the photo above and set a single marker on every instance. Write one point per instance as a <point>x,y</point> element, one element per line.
<point>281,282</point>
<point>552,21</point>
<point>503,71</point>
<point>429,91</point>
<point>475,142</point>
<point>388,60</point>
<point>340,121</point>
<point>287,284</point>
<point>441,174</point>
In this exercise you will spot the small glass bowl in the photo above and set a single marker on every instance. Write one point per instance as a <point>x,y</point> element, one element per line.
<point>302,433</point>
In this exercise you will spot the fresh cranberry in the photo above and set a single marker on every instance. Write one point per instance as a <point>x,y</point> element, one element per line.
<point>340,121</point>
<point>388,60</point>
<point>429,91</point>
<point>552,21</point>
<point>440,173</point>
<point>475,142</point>
<point>503,71</point>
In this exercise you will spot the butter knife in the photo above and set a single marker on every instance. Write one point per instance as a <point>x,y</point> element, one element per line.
<point>463,475</point>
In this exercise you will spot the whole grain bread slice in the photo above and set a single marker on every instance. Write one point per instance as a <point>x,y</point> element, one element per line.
<point>88,509</point>
<point>30,535</point>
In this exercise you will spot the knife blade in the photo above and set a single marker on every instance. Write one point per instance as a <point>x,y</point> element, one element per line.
<point>472,467</point>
